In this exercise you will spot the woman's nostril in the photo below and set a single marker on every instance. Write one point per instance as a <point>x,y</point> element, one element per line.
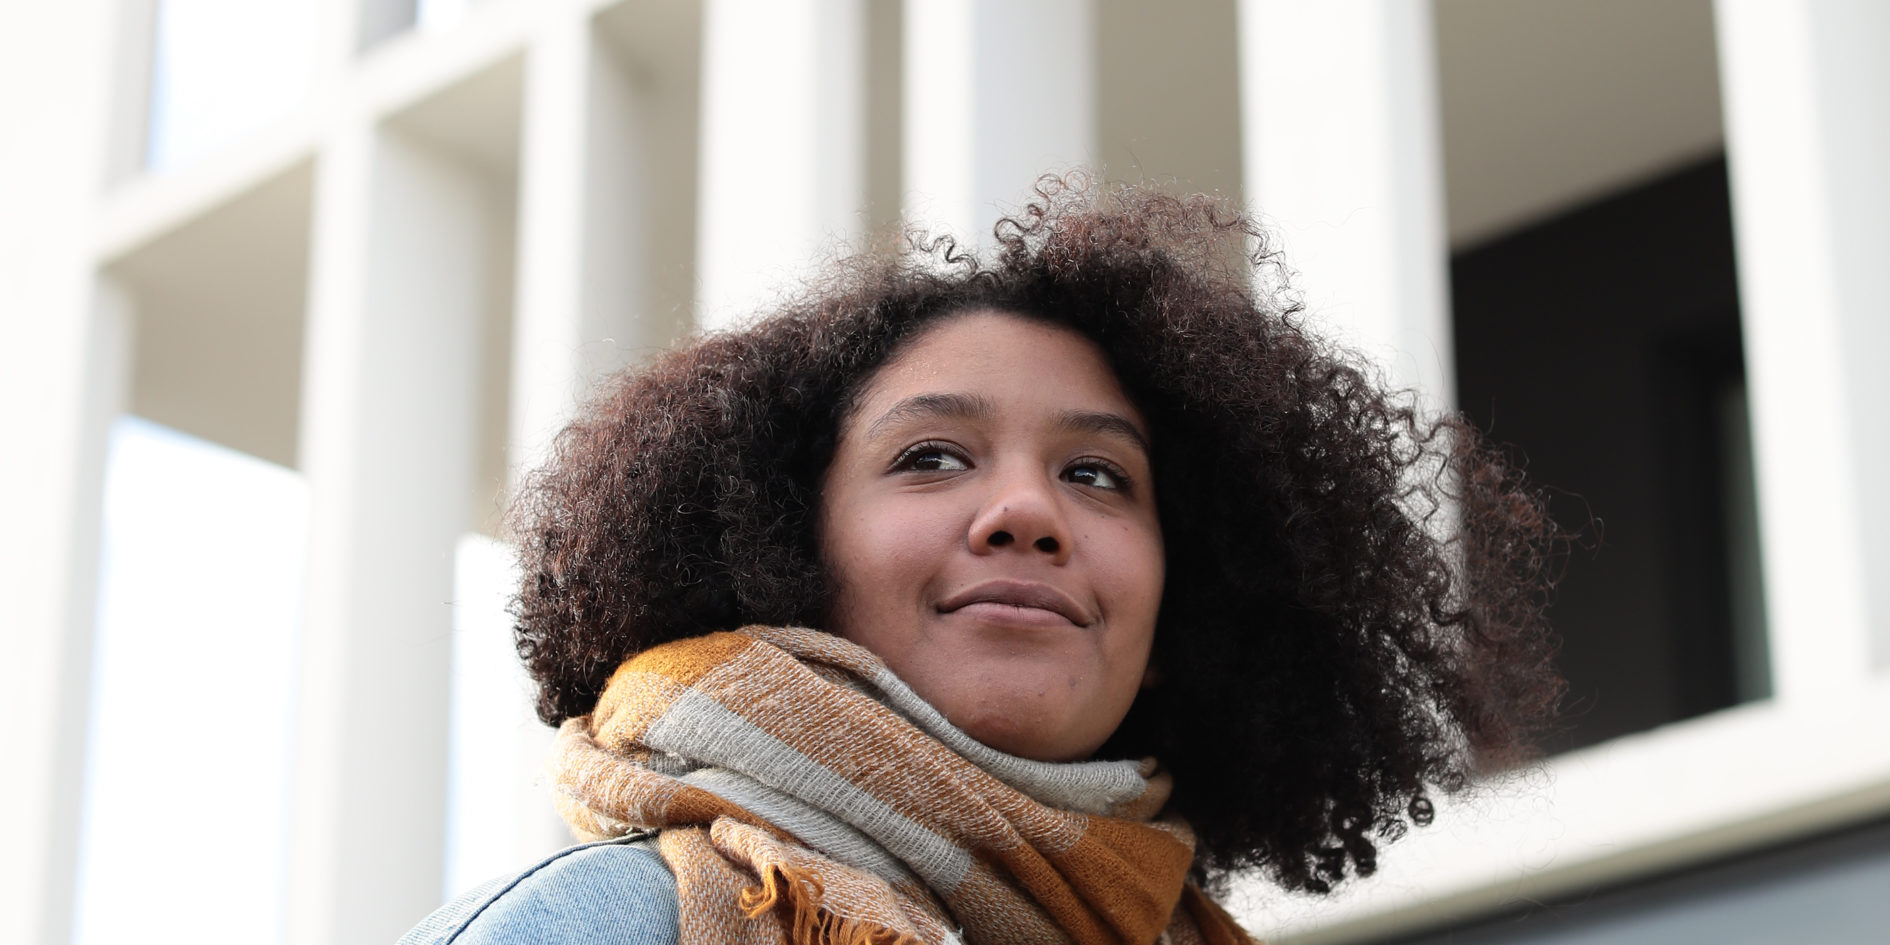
<point>999,539</point>
<point>1047,545</point>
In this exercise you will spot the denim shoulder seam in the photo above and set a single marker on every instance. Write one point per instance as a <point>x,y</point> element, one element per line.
<point>631,837</point>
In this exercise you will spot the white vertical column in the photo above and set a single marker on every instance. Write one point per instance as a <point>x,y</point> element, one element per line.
<point>63,370</point>
<point>582,277</point>
<point>1807,143</point>
<point>997,93</point>
<point>135,61</point>
<point>1341,151</point>
<point>548,331</point>
<point>338,38</point>
<point>582,283</point>
<point>783,146</point>
<point>61,411</point>
<point>387,440</point>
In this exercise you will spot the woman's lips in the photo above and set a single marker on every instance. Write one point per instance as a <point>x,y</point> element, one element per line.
<point>1011,601</point>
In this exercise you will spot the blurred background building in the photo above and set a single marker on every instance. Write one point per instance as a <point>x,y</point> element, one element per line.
<point>293,289</point>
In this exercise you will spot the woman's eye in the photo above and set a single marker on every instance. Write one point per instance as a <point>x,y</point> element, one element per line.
<point>926,458</point>
<point>1094,474</point>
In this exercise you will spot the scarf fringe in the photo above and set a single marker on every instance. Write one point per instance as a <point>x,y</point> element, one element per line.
<point>811,924</point>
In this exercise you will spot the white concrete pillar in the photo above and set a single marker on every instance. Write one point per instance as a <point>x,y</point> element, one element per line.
<point>582,285</point>
<point>997,93</point>
<point>1340,143</point>
<point>337,39</point>
<point>63,370</point>
<point>1806,91</point>
<point>61,411</point>
<point>135,62</point>
<point>583,279</point>
<point>783,146</point>
<point>396,295</point>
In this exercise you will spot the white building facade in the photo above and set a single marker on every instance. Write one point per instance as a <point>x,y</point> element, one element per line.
<point>401,284</point>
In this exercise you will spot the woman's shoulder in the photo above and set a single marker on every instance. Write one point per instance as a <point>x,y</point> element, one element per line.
<point>617,891</point>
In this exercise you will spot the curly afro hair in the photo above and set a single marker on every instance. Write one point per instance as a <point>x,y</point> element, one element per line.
<point>1354,613</point>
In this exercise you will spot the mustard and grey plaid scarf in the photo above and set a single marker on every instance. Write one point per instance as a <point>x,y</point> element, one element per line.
<point>804,794</point>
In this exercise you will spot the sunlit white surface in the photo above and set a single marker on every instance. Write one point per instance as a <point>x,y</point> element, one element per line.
<point>223,69</point>
<point>499,815</point>
<point>187,767</point>
<point>431,15</point>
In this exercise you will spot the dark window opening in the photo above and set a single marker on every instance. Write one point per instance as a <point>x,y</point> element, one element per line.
<point>1606,343</point>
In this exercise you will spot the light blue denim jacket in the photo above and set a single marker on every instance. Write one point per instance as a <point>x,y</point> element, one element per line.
<point>614,891</point>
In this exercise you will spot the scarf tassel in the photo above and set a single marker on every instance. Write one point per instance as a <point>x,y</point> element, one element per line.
<point>812,924</point>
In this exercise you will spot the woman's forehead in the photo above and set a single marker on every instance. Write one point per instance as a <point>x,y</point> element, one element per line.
<point>983,363</point>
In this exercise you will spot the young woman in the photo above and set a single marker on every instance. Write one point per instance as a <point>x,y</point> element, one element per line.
<point>1010,600</point>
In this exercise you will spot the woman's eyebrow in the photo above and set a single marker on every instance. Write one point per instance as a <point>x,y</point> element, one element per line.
<point>932,407</point>
<point>1106,424</point>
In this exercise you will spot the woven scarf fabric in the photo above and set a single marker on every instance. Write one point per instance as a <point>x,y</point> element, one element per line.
<point>804,794</point>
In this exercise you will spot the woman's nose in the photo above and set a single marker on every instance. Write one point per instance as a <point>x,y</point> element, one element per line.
<point>1023,512</point>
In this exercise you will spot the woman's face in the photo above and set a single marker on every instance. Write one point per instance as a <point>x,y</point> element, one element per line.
<point>989,517</point>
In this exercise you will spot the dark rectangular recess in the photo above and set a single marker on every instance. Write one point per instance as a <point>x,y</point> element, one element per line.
<point>1606,343</point>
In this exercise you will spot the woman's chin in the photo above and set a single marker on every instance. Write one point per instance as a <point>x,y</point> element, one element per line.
<point>1047,703</point>
<point>1025,726</point>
